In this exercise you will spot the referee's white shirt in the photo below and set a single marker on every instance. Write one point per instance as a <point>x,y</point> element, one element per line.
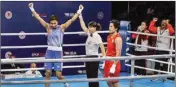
<point>92,43</point>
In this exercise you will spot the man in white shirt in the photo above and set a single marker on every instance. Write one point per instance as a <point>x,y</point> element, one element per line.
<point>32,73</point>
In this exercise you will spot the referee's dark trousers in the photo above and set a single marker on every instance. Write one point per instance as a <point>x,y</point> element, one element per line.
<point>92,71</point>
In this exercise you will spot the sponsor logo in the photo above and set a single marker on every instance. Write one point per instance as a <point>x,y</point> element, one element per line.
<point>69,14</point>
<point>66,53</point>
<point>100,15</point>
<point>70,53</point>
<point>38,54</point>
<point>8,54</point>
<point>8,14</point>
<point>22,35</point>
<point>35,54</point>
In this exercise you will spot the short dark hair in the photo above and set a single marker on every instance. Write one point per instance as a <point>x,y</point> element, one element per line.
<point>144,22</point>
<point>116,24</point>
<point>53,17</point>
<point>94,24</point>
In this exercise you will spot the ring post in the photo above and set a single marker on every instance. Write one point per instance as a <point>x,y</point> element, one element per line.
<point>132,73</point>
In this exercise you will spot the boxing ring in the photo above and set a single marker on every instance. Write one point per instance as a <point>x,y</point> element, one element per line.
<point>126,79</point>
<point>131,78</point>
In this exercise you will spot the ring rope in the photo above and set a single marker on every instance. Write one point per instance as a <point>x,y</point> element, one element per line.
<point>132,44</point>
<point>44,46</point>
<point>40,46</point>
<point>103,78</point>
<point>150,69</point>
<point>150,34</point>
<point>85,80</point>
<point>4,70</point>
<point>80,32</point>
<point>36,58</point>
<point>87,59</point>
<point>37,46</point>
<point>8,70</point>
<point>161,62</point>
<point>78,66</point>
<point>41,68</point>
<point>154,60</point>
<point>67,33</point>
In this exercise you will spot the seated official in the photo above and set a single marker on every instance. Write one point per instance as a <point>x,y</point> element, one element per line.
<point>33,72</point>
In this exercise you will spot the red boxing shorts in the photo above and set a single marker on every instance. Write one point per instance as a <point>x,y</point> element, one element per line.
<point>108,65</point>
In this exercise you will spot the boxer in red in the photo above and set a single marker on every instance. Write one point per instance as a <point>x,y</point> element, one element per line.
<point>114,46</point>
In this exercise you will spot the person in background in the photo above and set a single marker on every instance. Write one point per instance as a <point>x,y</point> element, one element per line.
<point>165,29</point>
<point>12,66</point>
<point>139,50</point>
<point>33,72</point>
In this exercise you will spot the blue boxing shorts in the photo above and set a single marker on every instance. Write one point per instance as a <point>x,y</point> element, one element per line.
<point>50,54</point>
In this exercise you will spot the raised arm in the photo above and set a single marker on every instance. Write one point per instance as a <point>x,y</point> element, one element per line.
<point>36,15</point>
<point>152,27</point>
<point>70,21</point>
<point>82,23</point>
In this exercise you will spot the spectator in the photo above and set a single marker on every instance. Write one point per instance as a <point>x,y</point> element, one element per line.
<point>33,72</point>
<point>165,29</point>
<point>11,66</point>
<point>141,40</point>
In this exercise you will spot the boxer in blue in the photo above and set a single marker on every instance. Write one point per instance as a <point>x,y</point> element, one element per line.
<point>55,41</point>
